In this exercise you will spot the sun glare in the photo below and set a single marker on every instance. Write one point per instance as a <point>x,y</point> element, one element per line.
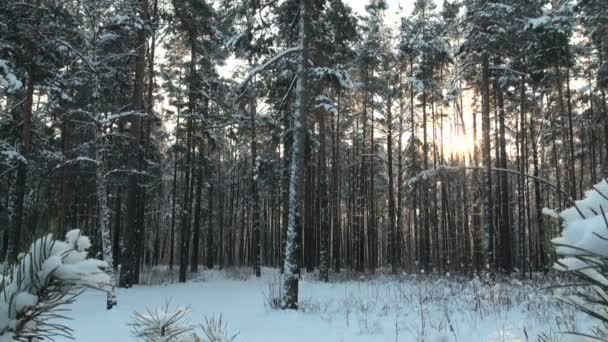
<point>458,144</point>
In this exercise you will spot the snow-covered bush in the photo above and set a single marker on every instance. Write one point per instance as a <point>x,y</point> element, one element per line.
<point>166,325</point>
<point>216,330</point>
<point>50,275</point>
<point>162,325</point>
<point>583,252</point>
<point>274,293</point>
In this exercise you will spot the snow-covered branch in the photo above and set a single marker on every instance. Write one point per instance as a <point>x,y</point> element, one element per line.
<point>46,278</point>
<point>78,160</point>
<point>259,68</point>
<point>583,248</point>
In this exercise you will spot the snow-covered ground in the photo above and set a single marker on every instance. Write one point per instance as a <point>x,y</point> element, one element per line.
<point>407,308</point>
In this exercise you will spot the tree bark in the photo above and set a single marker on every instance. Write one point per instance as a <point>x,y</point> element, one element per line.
<point>487,223</point>
<point>127,276</point>
<point>291,266</point>
<point>323,202</point>
<point>391,190</point>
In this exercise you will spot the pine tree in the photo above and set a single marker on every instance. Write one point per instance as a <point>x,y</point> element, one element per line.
<point>292,247</point>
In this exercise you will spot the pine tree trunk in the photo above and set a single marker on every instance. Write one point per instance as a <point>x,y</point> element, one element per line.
<point>133,190</point>
<point>196,240</point>
<point>291,266</point>
<point>573,192</point>
<point>174,195</point>
<point>372,226</point>
<point>336,220</point>
<point>324,226</point>
<point>487,223</point>
<point>425,236</point>
<point>220,214</point>
<point>66,137</point>
<point>117,221</point>
<point>391,191</point>
<point>256,243</point>
<point>287,142</point>
<point>539,200</point>
<point>505,224</point>
<point>400,189</point>
<point>210,260</point>
<point>187,204</point>
<point>14,234</point>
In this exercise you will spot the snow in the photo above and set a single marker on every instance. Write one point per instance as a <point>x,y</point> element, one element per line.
<point>576,264</point>
<point>550,213</point>
<point>24,300</point>
<point>11,154</point>
<point>120,19</point>
<point>259,68</point>
<point>537,22</point>
<point>583,248</point>
<point>7,79</point>
<point>340,76</point>
<point>49,269</point>
<point>378,309</point>
<point>586,234</point>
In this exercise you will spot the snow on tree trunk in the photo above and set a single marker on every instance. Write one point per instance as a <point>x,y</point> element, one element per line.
<point>255,198</point>
<point>324,203</point>
<point>292,247</point>
<point>487,162</point>
<point>104,221</point>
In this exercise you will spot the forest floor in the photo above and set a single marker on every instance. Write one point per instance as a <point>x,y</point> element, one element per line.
<point>382,308</point>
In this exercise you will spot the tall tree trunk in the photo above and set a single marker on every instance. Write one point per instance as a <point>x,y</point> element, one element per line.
<point>505,224</point>
<point>127,276</point>
<point>291,266</point>
<point>538,198</point>
<point>174,193</point>
<point>14,234</point>
<point>220,214</point>
<point>336,221</point>
<point>210,260</point>
<point>324,226</point>
<point>487,223</point>
<point>103,218</point>
<point>391,190</point>
<point>196,240</point>
<point>103,211</point>
<point>117,221</point>
<point>66,137</point>
<point>573,192</point>
<point>425,236</point>
<point>187,205</point>
<point>255,198</point>
<point>372,228</point>
<point>400,189</point>
<point>287,141</point>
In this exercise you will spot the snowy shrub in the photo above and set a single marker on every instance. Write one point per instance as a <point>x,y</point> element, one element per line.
<point>583,252</point>
<point>162,325</point>
<point>274,293</point>
<point>166,325</point>
<point>216,330</point>
<point>48,276</point>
